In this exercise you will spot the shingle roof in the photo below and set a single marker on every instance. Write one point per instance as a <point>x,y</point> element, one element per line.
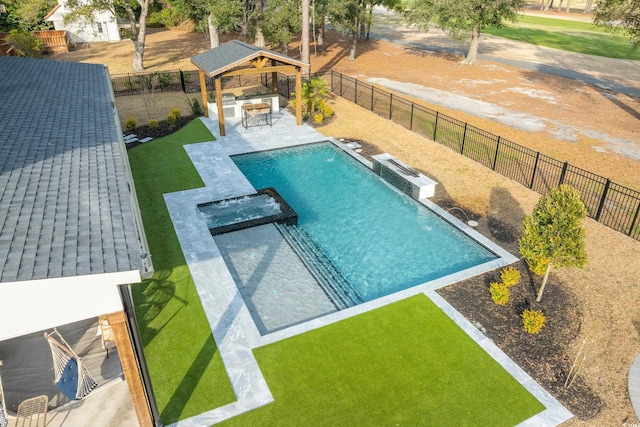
<point>64,200</point>
<point>234,53</point>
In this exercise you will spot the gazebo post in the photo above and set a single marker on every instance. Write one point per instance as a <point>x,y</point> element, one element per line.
<point>218,85</point>
<point>203,92</point>
<point>299,96</point>
<point>274,78</point>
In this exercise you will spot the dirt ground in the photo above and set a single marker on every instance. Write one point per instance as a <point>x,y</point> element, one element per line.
<point>601,300</point>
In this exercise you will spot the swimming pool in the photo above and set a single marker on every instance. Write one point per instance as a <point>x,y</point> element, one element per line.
<point>380,240</point>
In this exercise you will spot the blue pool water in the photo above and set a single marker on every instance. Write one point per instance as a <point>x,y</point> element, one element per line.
<point>381,240</point>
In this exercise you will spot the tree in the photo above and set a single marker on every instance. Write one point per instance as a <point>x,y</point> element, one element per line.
<point>280,21</point>
<point>217,16</point>
<point>553,235</point>
<point>25,15</point>
<point>134,10</point>
<point>620,16</point>
<point>463,18</point>
<point>347,15</point>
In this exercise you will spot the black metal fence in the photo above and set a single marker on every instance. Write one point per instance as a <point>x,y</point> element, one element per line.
<point>612,204</point>
<point>189,82</point>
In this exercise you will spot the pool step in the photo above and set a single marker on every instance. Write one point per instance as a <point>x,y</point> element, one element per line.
<point>332,281</point>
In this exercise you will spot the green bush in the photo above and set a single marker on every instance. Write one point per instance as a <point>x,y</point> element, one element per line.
<point>325,109</point>
<point>172,120</point>
<point>499,293</point>
<point>510,276</point>
<point>153,124</point>
<point>25,44</point>
<point>130,124</point>
<point>196,108</point>
<point>175,112</point>
<point>533,320</point>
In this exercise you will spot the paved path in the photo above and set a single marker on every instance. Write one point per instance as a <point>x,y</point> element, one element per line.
<point>617,75</point>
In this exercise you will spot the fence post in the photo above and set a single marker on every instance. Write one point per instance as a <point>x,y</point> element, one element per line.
<point>371,97</point>
<point>495,158</point>
<point>435,128</point>
<point>390,105</point>
<point>340,84</point>
<point>355,97</point>
<point>635,218</point>
<point>411,118</point>
<point>464,138</point>
<point>184,87</point>
<point>535,168</point>
<point>562,174</point>
<point>602,200</point>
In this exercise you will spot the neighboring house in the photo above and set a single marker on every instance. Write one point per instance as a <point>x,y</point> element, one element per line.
<point>71,236</point>
<point>103,29</point>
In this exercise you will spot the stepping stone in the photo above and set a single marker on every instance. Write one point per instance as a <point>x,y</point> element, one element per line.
<point>147,139</point>
<point>352,145</point>
<point>130,136</point>
<point>130,140</point>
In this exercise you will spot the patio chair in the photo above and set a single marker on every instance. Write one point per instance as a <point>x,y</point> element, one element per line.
<point>106,334</point>
<point>32,412</point>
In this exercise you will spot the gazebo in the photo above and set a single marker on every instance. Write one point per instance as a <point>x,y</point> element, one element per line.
<point>237,58</point>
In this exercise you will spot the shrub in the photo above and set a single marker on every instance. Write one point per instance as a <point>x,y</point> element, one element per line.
<point>499,293</point>
<point>533,320</point>
<point>25,44</point>
<point>175,112</point>
<point>130,124</point>
<point>318,118</point>
<point>510,276</point>
<point>153,124</point>
<point>325,109</point>
<point>196,108</point>
<point>172,120</point>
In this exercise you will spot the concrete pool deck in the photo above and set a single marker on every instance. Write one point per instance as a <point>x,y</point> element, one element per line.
<point>229,317</point>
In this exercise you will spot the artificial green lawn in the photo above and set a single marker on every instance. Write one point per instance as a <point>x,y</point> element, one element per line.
<point>403,364</point>
<point>186,370</point>
<point>572,36</point>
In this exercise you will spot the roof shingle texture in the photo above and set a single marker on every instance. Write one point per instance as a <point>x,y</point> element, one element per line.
<point>232,54</point>
<point>64,202</point>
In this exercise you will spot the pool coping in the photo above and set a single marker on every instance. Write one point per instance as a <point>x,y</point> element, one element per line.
<point>231,323</point>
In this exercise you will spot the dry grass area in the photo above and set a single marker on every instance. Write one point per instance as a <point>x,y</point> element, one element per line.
<point>607,291</point>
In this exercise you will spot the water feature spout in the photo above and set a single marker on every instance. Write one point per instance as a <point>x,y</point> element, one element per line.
<point>470,222</point>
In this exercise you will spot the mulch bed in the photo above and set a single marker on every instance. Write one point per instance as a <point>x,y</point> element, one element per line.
<point>163,129</point>
<point>543,356</point>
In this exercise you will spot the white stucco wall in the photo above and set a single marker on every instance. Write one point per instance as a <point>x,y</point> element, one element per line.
<point>35,305</point>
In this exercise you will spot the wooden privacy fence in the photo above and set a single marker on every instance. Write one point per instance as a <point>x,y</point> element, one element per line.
<point>56,41</point>
<point>612,204</point>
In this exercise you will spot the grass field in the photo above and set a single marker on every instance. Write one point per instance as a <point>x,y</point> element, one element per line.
<point>186,370</point>
<point>572,36</point>
<point>406,363</point>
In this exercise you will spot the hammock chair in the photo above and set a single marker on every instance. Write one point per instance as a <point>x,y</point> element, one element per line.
<point>71,376</point>
<point>4,419</point>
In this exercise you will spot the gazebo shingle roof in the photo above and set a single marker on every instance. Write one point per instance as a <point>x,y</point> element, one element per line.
<point>64,201</point>
<point>234,53</point>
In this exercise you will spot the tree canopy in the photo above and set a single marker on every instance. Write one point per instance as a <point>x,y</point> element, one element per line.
<point>553,235</point>
<point>620,16</point>
<point>463,18</point>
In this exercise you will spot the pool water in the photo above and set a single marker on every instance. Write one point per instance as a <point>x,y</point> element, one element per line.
<point>381,240</point>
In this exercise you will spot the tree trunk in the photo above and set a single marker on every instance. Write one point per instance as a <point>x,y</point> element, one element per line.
<point>541,4</point>
<point>568,9</point>
<point>354,41</point>
<point>472,54</point>
<point>544,282</point>
<point>549,5</point>
<point>321,36</point>
<point>560,6</point>
<point>259,40</point>
<point>139,33</point>
<point>305,37</point>
<point>214,36</point>
<point>369,21</point>
<point>588,6</point>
